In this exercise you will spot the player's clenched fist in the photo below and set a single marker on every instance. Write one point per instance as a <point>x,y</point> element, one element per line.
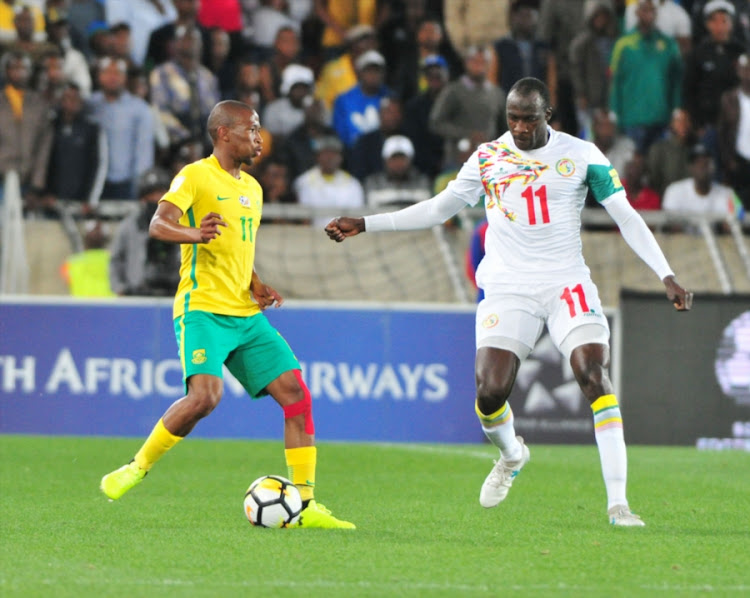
<point>339,229</point>
<point>210,226</point>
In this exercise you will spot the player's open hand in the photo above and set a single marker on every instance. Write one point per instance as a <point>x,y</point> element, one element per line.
<point>210,224</point>
<point>680,298</point>
<point>340,228</point>
<point>265,296</point>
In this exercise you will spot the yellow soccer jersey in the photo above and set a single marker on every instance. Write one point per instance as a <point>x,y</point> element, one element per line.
<point>215,276</point>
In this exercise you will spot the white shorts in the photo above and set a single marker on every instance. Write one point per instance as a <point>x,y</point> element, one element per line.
<point>512,317</point>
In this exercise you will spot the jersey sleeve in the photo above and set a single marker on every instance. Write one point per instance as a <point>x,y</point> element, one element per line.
<point>601,177</point>
<point>182,190</point>
<point>468,185</point>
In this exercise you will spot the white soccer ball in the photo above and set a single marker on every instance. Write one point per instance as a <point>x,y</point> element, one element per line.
<point>272,501</point>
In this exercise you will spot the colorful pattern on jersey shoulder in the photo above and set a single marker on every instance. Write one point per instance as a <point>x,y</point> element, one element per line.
<point>500,167</point>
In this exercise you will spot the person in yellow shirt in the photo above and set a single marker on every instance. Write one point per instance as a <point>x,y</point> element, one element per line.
<point>213,209</point>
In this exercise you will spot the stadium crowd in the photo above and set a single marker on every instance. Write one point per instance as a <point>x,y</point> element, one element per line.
<point>370,102</point>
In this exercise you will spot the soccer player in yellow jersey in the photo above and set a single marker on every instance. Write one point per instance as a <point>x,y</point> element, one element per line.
<point>213,209</point>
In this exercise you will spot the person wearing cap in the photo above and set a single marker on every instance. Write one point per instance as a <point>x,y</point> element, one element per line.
<point>399,184</point>
<point>184,88</point>
<point>339,17</point>
<point>740,17</point>
<point>428,146</point>
<point>327,185</point>
<point>212,211</point>
<point>138,264</point>
<point>700,193</point>
<point>338,75</point>
<point>129,126</point>
<point>646,84</point>
<point>286,113</point>
<point>356,111</point>
<point>533,181</point>
<point>469,105</point>
<point>710,69</point>
<point>734,132</point>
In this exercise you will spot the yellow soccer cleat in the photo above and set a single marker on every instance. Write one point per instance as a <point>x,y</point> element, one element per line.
<point>117,483</point>
<point>317,516</point>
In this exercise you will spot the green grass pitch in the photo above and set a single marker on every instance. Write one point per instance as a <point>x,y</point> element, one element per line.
<point>421,531</point>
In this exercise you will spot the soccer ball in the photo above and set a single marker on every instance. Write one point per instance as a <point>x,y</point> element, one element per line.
<point>272,501</point>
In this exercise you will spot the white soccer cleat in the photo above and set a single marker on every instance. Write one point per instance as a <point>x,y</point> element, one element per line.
<point>622,516</point>
<point>498,482</point>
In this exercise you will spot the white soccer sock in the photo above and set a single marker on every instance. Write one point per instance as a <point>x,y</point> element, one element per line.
<point>612,452</point>
<point>499,429</point>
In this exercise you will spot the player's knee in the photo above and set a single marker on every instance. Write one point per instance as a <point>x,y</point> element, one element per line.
<point>593,380</point>
<point>491,396</point>
<point>204,401</point>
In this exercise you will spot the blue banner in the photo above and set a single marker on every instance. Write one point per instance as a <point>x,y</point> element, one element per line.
<point>111,369</point>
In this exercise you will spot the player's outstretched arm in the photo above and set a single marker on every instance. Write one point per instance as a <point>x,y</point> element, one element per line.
<point>682,299</point>
<point>340,228</point>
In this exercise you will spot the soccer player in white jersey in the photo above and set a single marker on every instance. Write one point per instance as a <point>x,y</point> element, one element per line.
<point>533,182</point>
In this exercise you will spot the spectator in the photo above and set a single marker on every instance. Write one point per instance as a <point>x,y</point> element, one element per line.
<point>285,114</point>
<point>734,132</point>
<point>184,88</point>
<point>464,148</point>
<point>139,86</point>
<point>338,17</point>
<point>740,29</point>
<point>428,146</point>
<point>635,182</point>
<point>699,193</point>
<point>590,52</point>
<point>297,150</point>
<point>286,49</point>
<point>326,185</point>
<point>669,158</point>
<point>25,134</point>
<point>356,111</point>
<point>140,265</point>
<point>268,19</point>
<point>87,272</point>
<point>407,75</point>
<point>100,43</point>
<point>275,182</point>
<point>75,67</point>
<point>8,31</point>
<point>161,42</point>
<point>78,160</point>
<point>248,84</point>
<point>399,184</point>
<point>710,71</point>
<point>618,149</point>
<point>81,14</point>
<point>338,75</point>
<point>471,24</point>
<point>646,79</point>
<point>25,39</point>
<point>365,158</point>
<point>142,18</point>
<point>671,19</point>
<point>219,62</point>
<point>128,124</point>
<point>51,78</point>
<point>559,23</point>
<point>519,54</point>
<point>121,44</point>
<point>471,105</point>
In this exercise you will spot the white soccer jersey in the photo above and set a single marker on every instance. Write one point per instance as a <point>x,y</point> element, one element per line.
<point>533,201</point>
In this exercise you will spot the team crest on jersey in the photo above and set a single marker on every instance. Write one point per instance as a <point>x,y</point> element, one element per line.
<point>565,167</point>
<point>500,167</point>
<point>244,201</point>
<point>199,356</point>
<point>490,321</point>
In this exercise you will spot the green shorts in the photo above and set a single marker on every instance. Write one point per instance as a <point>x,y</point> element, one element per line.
<point>251,348</point>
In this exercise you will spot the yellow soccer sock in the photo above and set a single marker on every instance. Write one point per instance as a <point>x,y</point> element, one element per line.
<point>300,463</point>
<point>159,442</point>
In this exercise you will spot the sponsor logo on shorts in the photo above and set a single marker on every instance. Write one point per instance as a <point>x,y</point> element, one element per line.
<point>565,167</point>
<point>490,321</point>
<point>199,356</point>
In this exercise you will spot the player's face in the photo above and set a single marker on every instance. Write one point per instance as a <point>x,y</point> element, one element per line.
<point>245,139</point>
<point>527,120</point>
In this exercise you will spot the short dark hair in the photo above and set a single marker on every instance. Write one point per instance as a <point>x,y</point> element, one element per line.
<point>528,85</point>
